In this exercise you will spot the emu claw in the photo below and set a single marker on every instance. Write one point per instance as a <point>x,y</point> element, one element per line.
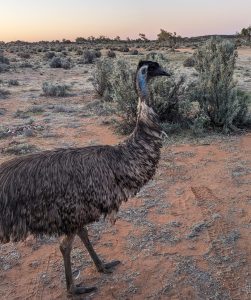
<point>106,267</point>
<point>78,290</point>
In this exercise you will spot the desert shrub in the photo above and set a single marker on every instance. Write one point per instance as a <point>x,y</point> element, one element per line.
<point>114,80</point>
<point>88,57</point>
<point>58,62</point>
<point>156,56</point>
<point>189,62</point>
<point>25,65</point>
<point>24,55</point>
<point>200,124</point>
<point>111,54</point>
<point>4,63</point>
<point>62,108</point>
<point>36,109</point>
<point>124,49</point>
<point>55,90</point>
<point>13,82</point>
<point>4,67</point>
<point>3,59</point>
<point>4,93</point>
<point>2,111</point>
<point>49,55</point>
<point>19,148</point>
<point>169,99</point>
<point>102,76</point>
<point>124,93</point>
<point>134,52</point>
<point>79,52</point>
<point>216,90</point>
<point>97,53</point>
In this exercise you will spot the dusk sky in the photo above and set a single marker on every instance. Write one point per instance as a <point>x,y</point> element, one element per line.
<point>34,20</point>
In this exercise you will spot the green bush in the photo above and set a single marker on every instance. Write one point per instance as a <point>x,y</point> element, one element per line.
<point>114,80</point>
<point>216,90</point>
<point>111,54</point>
<point>101,78</point>
<point>189,62</point>
<point>58,62</point>
<point>55,90</point>
<point>4,63</point>
<point>123,92</point>
<point>88,57</point>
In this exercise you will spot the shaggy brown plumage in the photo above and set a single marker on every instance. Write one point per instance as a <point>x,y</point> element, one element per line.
<point>59,192</point>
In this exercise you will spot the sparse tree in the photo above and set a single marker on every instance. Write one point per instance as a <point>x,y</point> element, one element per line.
<point>80,40</point>
<point>246,33</point>
<point>143,37</point>
<point>165,36</point>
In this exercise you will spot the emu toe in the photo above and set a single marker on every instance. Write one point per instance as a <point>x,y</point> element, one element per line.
<point>78,290</point>
<point>107,267</point>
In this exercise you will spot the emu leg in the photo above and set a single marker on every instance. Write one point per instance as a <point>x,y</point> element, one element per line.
<point>65,248</point>
<point>101,267</point>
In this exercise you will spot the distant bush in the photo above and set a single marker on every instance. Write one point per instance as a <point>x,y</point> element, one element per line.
<point>97,53</point>
<point>3,59</point>
<point>134,52</point>
<point>189,62</point>
<point>49,55</point>
<point>4,94</point>
<point>124,94</point>
<point>24,55</point>
<point>111,54</point>
<point>19,148</point>
<point>101,78</point>
<point>4,67</point>
<point>88,57</point>
<point>4,63</point>
<point>216,90</point>
<point>36,109</point>
<point>13,82</point>
<point>156,56</point>
<point>25,65</point>
<point>58,62</point>
<point>124,49</point>
<point>55,90</point>
<point>79,52</point>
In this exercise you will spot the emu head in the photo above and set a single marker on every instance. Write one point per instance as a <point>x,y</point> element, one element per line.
<point>150,69</point>
<point>147,70</point>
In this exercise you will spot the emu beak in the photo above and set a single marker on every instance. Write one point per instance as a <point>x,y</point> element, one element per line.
<point>162,72</point>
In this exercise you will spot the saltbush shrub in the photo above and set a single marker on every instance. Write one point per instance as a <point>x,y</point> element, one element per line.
<point>216,91</point>
<point>4,63</point>
<point>111,54</point>
<point>58,62</point>
<point>189,62</point>
<point>49,55</point>
<point>101,78</point>
<point>55,90</point>
<point>115,79</point>
<point>88,57</point>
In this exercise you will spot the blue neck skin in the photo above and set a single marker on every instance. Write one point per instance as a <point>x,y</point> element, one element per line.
<point>142,86</point>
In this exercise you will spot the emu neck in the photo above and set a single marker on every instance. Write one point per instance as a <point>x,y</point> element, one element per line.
<point>142,88</point>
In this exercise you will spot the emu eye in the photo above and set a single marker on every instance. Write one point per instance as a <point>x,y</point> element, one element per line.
<point>144,71</point>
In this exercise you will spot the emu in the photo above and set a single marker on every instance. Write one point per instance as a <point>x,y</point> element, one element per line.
<point>59,192</point>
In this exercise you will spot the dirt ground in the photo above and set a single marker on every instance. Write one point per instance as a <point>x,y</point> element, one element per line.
<point>185,236</point>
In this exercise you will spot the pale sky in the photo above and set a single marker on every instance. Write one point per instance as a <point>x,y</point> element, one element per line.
<point>34,20</point>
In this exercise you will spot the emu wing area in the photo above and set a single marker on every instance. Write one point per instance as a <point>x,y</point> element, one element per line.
<point>57,192</point>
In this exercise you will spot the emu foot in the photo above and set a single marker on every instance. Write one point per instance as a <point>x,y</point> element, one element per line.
<point>78,290</point>
<point>107,267</point>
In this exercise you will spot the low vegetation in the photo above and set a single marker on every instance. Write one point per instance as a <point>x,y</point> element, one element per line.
<point>55,90</point>
<point>219,99</point>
